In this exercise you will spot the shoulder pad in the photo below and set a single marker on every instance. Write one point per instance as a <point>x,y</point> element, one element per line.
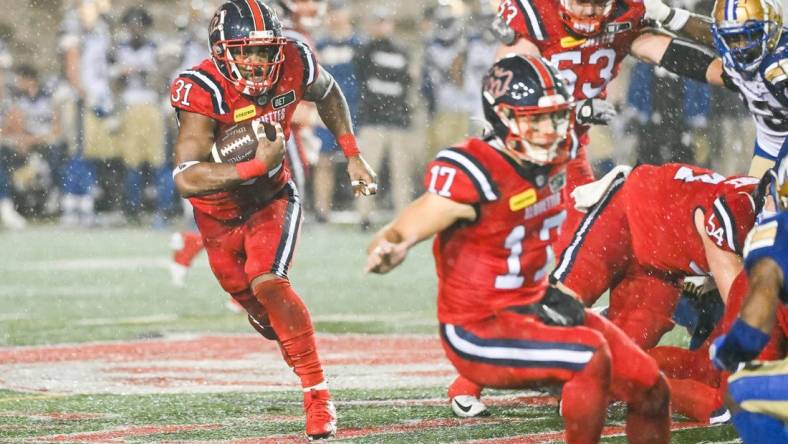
<point>769,239</point>
<point>197,91</point>
<point>470,181</point>
<point>524,18</point>
<point>308,60</point>
<point>732,216</point>
<point>776,71</point>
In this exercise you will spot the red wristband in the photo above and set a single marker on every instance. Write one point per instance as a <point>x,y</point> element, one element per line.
<point>348,144</point>
<point>251,169</point>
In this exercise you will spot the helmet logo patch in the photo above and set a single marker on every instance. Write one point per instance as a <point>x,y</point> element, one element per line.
<point>498,82</point>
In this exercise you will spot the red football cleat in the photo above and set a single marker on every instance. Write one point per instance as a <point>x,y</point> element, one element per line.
<point>321,417</point>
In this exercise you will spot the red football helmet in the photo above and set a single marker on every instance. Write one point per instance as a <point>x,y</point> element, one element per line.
<point>585,17</point>
<point>247,45</point>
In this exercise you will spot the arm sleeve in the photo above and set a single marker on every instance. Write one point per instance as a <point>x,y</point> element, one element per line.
<point>769,239</point>
<point>457,175</point>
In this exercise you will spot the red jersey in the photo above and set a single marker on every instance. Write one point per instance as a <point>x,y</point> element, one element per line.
<point>204,90</point>
<point>502,258</point>
<point>667,197</point>
<point>587,64</point>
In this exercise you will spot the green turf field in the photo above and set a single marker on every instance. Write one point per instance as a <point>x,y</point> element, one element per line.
<point>80,308</point>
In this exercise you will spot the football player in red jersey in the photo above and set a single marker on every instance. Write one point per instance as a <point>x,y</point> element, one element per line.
<point>494,205</point>
<point>587,40</point>
<point>645,234</point>
<point>299,18</point>
<point>249,213</point>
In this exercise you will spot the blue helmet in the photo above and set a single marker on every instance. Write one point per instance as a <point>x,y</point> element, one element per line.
<point>518,86</point>
<point>746,31</point>
<point>247,45</point>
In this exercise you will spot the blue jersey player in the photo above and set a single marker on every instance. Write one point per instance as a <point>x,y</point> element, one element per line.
<point>758,391</point>
<point>752,41</point>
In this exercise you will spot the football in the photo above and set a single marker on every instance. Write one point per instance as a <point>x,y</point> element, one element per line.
<point>238,143</point>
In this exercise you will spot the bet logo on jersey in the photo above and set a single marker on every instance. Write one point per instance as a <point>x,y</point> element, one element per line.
<point>283,100</point>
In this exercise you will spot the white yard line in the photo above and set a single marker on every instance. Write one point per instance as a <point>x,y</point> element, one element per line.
<point>101,263</point>
<point>153,319</point>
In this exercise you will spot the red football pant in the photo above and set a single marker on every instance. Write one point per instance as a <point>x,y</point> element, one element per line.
<point>514,351</point>
<point>263,244</point>
<point>578,172</point>
<point>600,257</point>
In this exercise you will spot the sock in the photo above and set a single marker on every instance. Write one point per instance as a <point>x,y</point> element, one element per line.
<point>293,326</point>
<point>694,399</point>
<point>584,400</point>
<point>463,386</point>
<point>648,416</point>
<point>756,428</point>
<point>192,245</point>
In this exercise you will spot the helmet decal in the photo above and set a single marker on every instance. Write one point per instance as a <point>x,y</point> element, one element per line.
<point>498,82</point>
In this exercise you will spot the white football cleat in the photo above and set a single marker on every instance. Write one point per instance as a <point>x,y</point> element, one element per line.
<point>234,306</point>
<point>720,416</point>
<point>9,216</point>
<point>178,274</point>
<point>467,406</point>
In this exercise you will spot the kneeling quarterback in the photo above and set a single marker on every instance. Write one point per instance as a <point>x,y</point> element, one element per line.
<point>495,205</point>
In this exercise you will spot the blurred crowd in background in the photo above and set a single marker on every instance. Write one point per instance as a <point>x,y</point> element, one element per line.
<point>87,134</point>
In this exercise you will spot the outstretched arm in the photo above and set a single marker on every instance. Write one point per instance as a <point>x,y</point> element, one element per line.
<point>692,26</point>
<point>750,333</point>
<point>335,114</point>
<point>423,218</point>
<point>679,57</point>
<point>724,265</point>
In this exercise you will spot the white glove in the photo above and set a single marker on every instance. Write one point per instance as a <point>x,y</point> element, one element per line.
<point>656,10</point>
<point>588,195</point>
<point>671,18</point>
<point>595,111</point>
